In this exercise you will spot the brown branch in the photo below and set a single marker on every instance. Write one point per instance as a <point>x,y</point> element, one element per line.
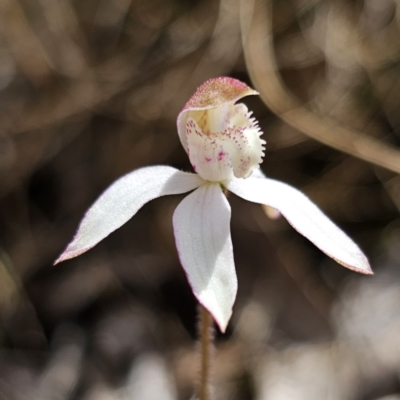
<point>256,16</point>
<point>206,337</point>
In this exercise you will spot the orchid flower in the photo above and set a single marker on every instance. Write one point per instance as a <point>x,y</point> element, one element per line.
<point>223,143</point>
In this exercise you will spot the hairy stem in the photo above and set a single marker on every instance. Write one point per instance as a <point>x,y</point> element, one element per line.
<point>206,337</point>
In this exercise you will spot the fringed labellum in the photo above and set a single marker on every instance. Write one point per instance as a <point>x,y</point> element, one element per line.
<point>221,138</point>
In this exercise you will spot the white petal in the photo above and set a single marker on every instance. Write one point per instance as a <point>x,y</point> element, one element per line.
<point>122,200</point>
<point>202,235</point>
<point>305,217</point>
<point>271,213</point>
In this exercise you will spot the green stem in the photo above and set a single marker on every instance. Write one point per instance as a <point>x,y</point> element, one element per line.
<point>206,336</point>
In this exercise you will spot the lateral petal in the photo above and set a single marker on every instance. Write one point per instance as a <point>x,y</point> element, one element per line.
<point>202,234</point>
<point>122,200</point>
<point>305,217</point>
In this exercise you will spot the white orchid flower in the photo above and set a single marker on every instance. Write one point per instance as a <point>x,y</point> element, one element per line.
<point>223,143</point>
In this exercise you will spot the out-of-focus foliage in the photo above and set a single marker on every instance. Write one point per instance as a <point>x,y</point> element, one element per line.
<point>90,90</point>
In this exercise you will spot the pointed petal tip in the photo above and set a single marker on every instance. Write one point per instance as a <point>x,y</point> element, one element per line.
<point>221,321</point>
<point>364,269</point>
<point>367,270</point>
<point>69,253</point>
<point>57,261</point>
<point>369,273</point>
<point>61,259</point>
<point>222,327</point>
<point>359,264</point>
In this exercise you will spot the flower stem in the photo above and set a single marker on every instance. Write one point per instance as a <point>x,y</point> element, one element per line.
<point>206,337</point>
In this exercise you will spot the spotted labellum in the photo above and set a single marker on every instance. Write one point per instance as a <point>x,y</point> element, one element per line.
<point>223,143</point>
<point>221,138</point>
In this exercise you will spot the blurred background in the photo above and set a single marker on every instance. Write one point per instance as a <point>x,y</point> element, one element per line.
<point>90,90</point>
